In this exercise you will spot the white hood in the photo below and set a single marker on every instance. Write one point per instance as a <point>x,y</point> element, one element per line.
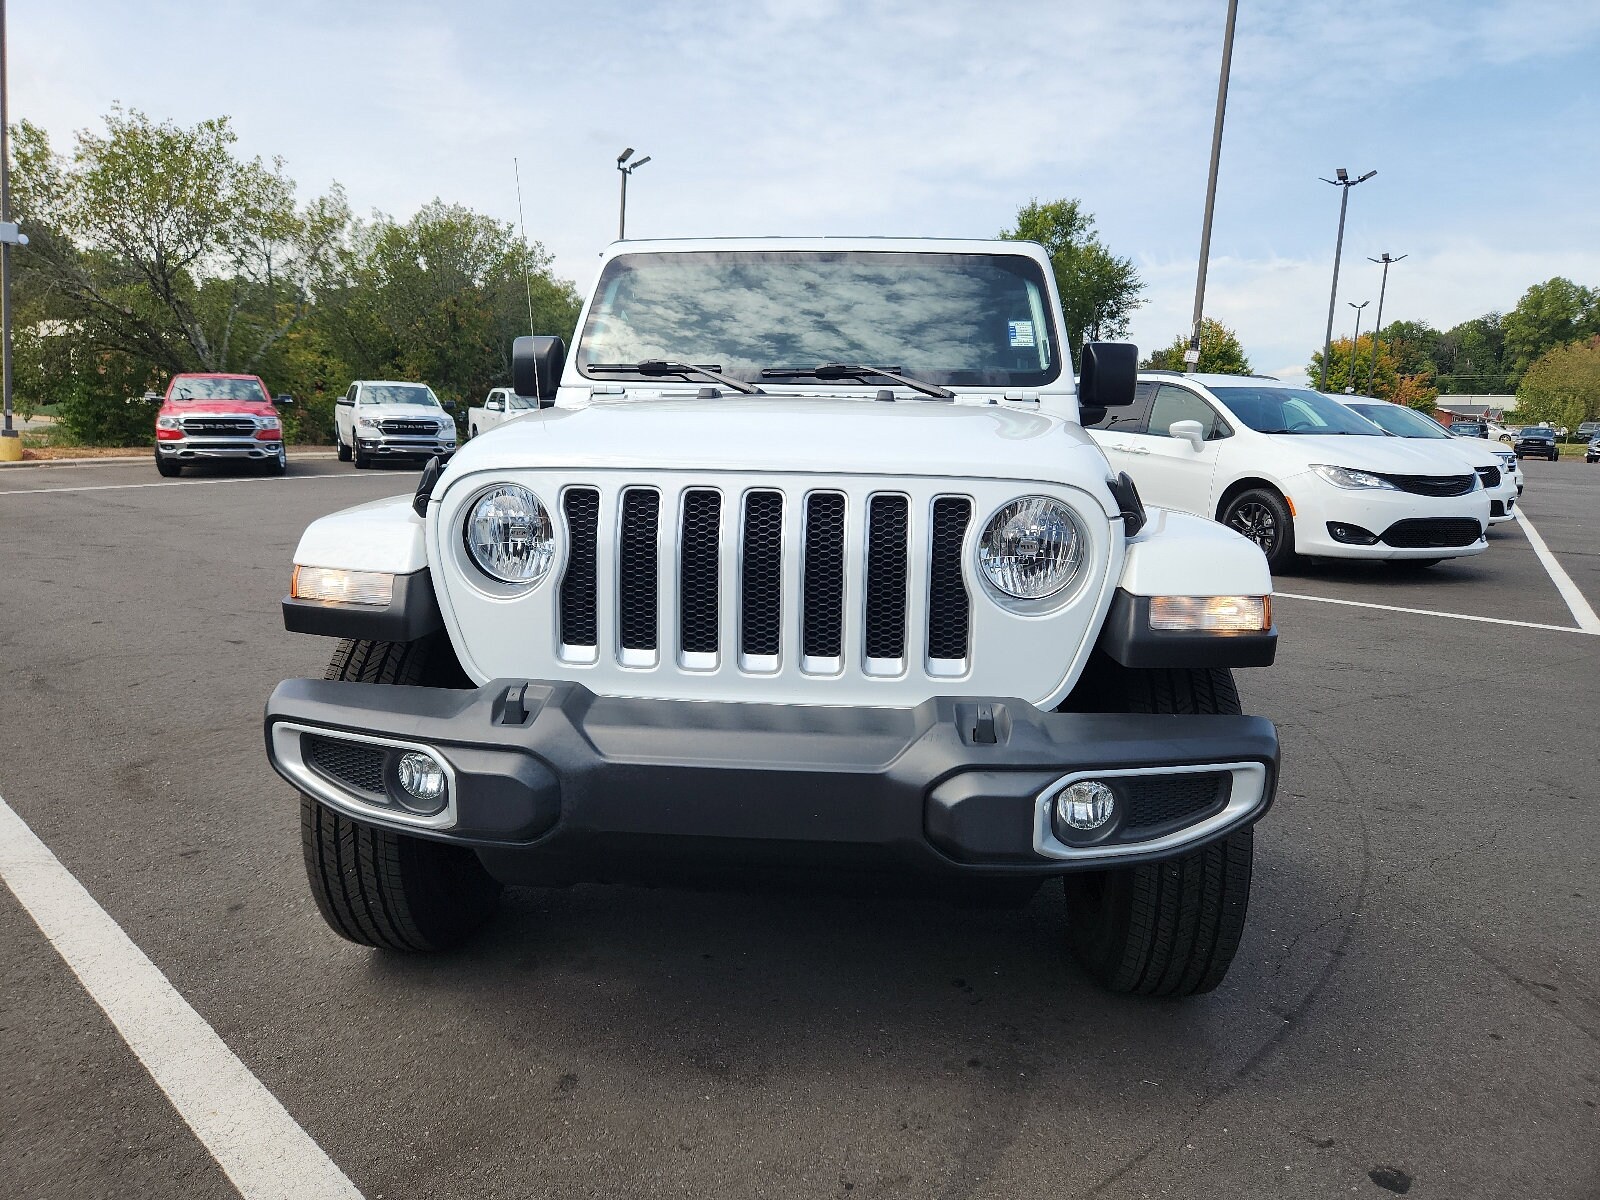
<point>790,433</point>
<point>1381,453</point>
<point>402,412</point>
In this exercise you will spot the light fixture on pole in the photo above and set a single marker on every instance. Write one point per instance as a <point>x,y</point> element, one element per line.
<point>1345,183</point>
<point>629,169</point>
<point>1191,358</point>
<point>10,442</point>
<point>1377,328</point>
<point>1350,385</point>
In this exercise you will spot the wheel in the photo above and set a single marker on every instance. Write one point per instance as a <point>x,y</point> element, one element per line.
<point>278,464</point>
<point>168,468</point>
<point>1167,928</point>
<point>344,451</point>
<point>363,459</point>
<point>472,432</point>
<point>377,887</point>
<point>1262,516</point>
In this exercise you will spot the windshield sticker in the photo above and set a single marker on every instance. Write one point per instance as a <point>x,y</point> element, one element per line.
<point>1021,332</point>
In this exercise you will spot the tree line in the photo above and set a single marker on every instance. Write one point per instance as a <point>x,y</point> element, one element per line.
<point>156,249</point>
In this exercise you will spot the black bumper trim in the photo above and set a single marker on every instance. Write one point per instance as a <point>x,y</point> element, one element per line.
<point>586,787</point>
<point>412,612</point>
<point>1128,639</point>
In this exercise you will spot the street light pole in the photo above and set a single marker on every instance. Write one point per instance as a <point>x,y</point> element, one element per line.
<point>10,443</point>
<point>1377,329</point>
<point>1345,183</point>
<point>1191,360</point>
<point>1356,342</point>
<point>622,206</point>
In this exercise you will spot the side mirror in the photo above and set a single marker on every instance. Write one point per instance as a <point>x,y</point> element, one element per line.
<point>450,406</point>
<point>1190,431</point>
<point>283,399</point>
<point>536,364</point>
<point>152,397</point>
<point>1107,377</point>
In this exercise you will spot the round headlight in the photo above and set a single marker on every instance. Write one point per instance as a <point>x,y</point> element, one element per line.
<point>1032,548</point>
<point>508,535</point>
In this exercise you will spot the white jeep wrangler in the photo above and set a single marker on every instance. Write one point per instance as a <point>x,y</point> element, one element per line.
<point>804,566</point>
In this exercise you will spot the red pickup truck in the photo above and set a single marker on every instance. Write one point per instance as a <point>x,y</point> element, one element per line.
<point>217,417</point>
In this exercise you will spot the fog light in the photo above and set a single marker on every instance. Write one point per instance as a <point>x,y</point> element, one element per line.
<point>422,778</point>
<point>1086,805</point>
<point>332,585</point>
<point>1211,614</point>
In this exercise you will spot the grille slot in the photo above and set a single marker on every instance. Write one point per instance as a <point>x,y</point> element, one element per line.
<point>356,766</point>
<point>578,585</point>
<point>1421,533</point>
<point>948,611</point>
<point>1490,476</point>
<point>1158,804</point>
<point>413,428</point>
<point>761,593</point>
<point>637,569</point>
<point>823,587</point>
<point>1432,485</point>
<point>230,426</point>
<point>888,539</point>
<point>699,556</point>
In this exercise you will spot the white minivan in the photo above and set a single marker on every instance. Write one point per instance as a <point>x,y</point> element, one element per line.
<point>1495,464</point>
<point>1293,470</point>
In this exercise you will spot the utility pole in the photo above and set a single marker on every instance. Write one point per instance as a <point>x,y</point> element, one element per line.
<point>10,442</point>
<point>1344,183</point>
<point>1351,386</point>
<point>1377,329</point>
<point>622,206</point>
<point>1191,359</point>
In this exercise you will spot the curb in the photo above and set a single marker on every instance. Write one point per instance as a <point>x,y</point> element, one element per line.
<point>126,460</point>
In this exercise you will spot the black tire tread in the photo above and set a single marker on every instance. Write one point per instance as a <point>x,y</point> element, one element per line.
<point>375,886</point>
<point>1167,928</point>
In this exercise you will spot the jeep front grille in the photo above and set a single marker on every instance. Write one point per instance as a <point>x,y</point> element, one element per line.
<point>780,579</point>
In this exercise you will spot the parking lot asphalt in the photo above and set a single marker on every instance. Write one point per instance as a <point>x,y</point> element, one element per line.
<point>1416,1006</point>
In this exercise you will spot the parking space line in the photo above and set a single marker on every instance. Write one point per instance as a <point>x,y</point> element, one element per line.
<point>1433,612</point>
<point>1582,611</point>
<point>261,1148</point>
<point>122,487</point>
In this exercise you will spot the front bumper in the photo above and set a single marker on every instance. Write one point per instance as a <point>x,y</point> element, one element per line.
<point>1378,511</point>
<point>558,785</point>
<point>189,449</point>
<point>404,446</point>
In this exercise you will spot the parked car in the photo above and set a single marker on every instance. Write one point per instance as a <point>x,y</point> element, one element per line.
<point>1538,441</point>
<point>1591,452</point>
<point>499,406</point>
<point>741,605</point>
<point>1468,429</point>
<point>385,418</point>
<point>1293,470</point>
<point>217,417</point>
<point>1496,468</point>
<point>1588,430</point>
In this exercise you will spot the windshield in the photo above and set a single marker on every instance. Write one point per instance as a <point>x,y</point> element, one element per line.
<point>1402,422</point>
<point>207,387</point>
<point>979,320</point>
<point>1538,431</point>
<point>1293,410</point>
<point>399,393</point>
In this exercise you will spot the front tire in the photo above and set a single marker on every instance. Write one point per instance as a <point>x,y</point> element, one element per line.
<point>1262,515</point>
<point>375,886</point>
<point>168,468</point>
<point>1166,928</point>
<point>363,459</point>
<point>344,451</point>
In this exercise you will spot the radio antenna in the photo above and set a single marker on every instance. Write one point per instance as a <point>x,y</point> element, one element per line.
<point>527,277</point>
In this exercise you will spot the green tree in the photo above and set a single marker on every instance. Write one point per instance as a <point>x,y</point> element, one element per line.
<point>1412,344</point>
<point>1356,377</point>
<point>1220,352</point>
<point>1549,314</point>
<point>1562,387</point>
<point>1471,358</point>
<point>1099,291</point>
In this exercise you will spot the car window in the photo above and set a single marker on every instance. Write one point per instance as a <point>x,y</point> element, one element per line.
<point>1131,418</point>
<point>1173,404</point>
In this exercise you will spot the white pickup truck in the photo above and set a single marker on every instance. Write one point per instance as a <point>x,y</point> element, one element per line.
<point>498,407</point>
<point>809,569</point>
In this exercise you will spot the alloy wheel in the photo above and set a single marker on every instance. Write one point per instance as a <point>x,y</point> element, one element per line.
<point>1258,523</point>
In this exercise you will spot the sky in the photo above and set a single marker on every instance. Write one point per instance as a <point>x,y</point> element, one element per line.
<point>916,118</point>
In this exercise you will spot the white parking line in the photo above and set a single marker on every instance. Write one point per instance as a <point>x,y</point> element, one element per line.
<point>1582,611</point>
<point>1432,612</point>
<point>122,487</point>
<point>260,1147</point>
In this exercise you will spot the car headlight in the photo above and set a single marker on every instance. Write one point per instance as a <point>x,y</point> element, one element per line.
<point>509,536</point>
<point>367,422</point>
<point>169,422</point>
<point>1032,548</point>
<point>1349,477</point>
<point>268,423</point>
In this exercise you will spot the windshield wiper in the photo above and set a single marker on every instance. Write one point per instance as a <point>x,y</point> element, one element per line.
<point>657,368</point>
<point>857,371</point>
